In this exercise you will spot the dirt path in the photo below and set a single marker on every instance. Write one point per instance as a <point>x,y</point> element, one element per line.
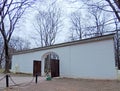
<point>65,84</point>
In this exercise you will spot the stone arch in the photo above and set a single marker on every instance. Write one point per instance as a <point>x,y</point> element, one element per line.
<point>50,64</point>
<point>50,53</point>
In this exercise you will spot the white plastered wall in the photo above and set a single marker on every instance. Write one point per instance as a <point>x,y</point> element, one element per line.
<point>93,60</point>
<point>87,60</point>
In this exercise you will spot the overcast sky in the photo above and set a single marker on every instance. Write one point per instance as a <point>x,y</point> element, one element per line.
<point>67,7</point>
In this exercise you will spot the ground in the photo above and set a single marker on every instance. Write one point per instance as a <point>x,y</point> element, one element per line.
<point>67,84</point>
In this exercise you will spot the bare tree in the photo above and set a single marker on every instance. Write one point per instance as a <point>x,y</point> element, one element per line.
<point>48,25</point>
<point>10,13</point>
<point>99,19</point>
<point>113,6</point>
<point>18,44</point>
<point>91,25</point>
<point>76,26</point>
<point>117,36</point>
<point>15,44</point>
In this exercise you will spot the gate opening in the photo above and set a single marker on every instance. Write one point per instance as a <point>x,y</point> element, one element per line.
<point>51,65</point>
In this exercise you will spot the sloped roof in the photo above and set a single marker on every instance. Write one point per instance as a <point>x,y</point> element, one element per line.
<point>93,39</point>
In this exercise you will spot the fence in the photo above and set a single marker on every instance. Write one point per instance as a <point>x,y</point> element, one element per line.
<point>9,81</point>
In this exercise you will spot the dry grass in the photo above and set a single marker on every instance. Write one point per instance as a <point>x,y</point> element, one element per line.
<point>16,74</point>
<point>21,74</point>
<point>1,70</point>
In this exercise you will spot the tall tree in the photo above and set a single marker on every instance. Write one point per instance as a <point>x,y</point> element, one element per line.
<point>15,44</point>
<point>10,13</point>
<point>47,25</point>
<point>116,11</point>
<point>99,19</point>
<point>93,24</point>
<point>76,26</point>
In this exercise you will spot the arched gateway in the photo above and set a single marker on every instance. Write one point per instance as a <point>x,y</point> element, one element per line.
<point>51,64</point>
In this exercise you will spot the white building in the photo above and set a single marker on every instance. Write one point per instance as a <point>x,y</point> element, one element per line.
<point>88,58</point>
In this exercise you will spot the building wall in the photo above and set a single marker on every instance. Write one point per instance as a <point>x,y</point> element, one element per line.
<point>88,60</point>
<point>93,60</point>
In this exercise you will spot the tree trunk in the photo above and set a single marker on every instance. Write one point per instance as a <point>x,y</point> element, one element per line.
<point>0,65</point>
<point>7,61</point>
<point>1,58</point>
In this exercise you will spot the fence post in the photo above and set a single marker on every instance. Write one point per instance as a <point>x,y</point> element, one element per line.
<point>36,80</point>
<point>7,80</point>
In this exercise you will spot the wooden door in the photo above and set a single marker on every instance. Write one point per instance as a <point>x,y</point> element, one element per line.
<point>36,68</point>
<point>54,68</point>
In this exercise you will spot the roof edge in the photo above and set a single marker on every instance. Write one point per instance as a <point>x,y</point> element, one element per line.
<point>93,39</point>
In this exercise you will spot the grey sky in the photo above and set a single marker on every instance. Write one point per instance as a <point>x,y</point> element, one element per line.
<point>67,8</point>
<point>27,28</point>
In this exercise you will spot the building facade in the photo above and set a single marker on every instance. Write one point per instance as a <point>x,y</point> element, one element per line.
<point>92,58</point>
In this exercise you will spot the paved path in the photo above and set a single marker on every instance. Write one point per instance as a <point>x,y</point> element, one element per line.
<point>60,84</point>
<point>16,80</point>
<point>71,85</point>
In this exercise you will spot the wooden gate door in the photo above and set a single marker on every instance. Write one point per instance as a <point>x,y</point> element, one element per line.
<point>37,68</point>
<point>54,68</point>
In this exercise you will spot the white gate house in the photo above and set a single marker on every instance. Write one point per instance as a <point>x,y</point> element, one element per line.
<point>87,58</point>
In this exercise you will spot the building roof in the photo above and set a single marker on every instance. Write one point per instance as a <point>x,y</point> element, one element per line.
<point>93,39</point>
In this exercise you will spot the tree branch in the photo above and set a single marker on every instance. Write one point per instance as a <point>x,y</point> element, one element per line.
<point>116,13</point>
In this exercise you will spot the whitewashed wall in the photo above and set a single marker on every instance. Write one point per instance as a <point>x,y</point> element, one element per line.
<point>87,60</point>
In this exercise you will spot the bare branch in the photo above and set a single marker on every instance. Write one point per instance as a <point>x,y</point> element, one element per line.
<point>48,24</point>
<point>10,13</point>
<point>115,11</point>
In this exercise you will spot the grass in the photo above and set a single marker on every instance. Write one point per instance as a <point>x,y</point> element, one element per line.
<point>17,73</point>
<point>1,70</point>
<point>20,74</point>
